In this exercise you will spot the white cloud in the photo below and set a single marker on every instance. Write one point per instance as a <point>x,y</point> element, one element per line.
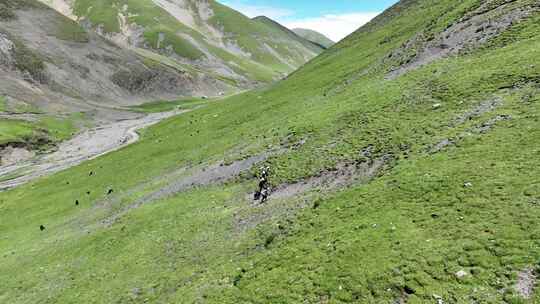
<point>336,27</point>
<point>255,10</point>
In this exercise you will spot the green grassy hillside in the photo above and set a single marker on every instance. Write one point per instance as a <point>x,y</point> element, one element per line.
<point>40,133</point>
<point>283,31</point>
<point>443,209</point>
<point>314,37</point>
<point>206,34</point>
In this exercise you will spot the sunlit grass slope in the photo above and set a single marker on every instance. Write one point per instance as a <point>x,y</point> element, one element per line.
<point>46,129</point>
<point>469,209</point>
<point>314,37</point>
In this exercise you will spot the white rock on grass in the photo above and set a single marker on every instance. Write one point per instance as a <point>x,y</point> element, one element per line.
<point>462,273</point>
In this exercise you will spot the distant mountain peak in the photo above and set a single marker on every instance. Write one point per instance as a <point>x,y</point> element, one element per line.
<point>203,35</point>
<point>315,37</point>
<point>290,33</point>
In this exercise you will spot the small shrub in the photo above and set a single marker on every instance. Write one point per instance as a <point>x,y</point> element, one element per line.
<point>6,13</point>
<point>7,7</point>
<point>28,61</point>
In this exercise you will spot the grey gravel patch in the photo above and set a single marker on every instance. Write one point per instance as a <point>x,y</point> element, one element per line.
<point>342,176</point>
<point>488,125</point>
<point>526,283</point>
<point>13,155</point>
<point>483,128</point>
<point>479,110</point>
<point>468,33</point>
<point>286,200</point>
<point>442,145</point>
<point>214,174</point>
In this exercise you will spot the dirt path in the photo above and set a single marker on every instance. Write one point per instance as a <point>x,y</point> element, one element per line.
<point>204,176</point>
<point>84,146</point>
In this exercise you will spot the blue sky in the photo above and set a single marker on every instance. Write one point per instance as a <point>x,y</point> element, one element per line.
<point>334,18</point>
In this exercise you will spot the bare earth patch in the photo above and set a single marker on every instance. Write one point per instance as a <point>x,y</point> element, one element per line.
<point>470,32</point>
<point>204,176</point>
<point>285,201</point>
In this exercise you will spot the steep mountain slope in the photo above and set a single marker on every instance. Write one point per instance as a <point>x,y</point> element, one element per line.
<point>52,71</point>
<point>283,31</point>
<point>398,178</point>
<point>203,34</point>
<point>314,37</point>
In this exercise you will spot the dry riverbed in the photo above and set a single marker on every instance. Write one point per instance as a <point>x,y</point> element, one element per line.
<point>86,145</point>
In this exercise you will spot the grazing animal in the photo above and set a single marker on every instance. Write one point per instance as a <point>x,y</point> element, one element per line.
<point>41,227</point>
<point>76,202</point>
<point>88,192</point>
<point>110,191</point>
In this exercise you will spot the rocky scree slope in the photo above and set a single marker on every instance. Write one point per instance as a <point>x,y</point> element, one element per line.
<point>55,78</point>
<point>204,35</point>
<point>51,62</point>
<point>418,187</point>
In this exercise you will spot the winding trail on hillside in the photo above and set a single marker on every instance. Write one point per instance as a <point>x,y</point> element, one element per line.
<point>86,145</point>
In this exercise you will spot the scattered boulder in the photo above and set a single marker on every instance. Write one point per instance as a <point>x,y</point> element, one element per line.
<point>438,298</point>
<point>461,274</point>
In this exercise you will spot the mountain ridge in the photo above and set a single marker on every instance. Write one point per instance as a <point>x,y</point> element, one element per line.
<point>288,31</point>
<point>315,37</point>
<point>205,34</point>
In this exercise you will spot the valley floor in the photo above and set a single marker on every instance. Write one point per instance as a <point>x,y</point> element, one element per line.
<point>87,145</point>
